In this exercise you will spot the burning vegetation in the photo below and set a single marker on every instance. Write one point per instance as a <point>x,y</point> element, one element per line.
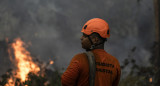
<point>27,72</point>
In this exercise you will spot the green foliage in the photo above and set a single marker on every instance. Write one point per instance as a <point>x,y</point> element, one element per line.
<point>55,79</point>
<point>35,80</point>
<point>137,75</point>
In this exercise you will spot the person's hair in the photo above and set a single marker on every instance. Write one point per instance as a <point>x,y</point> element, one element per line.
<point>94,34</point>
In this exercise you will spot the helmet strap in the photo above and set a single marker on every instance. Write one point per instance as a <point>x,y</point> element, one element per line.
<point>90,40</point>
<point>93,45</point>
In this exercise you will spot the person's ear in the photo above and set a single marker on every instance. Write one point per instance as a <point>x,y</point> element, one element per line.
<point>95,40</point>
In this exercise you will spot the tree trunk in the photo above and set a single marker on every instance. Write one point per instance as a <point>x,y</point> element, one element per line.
<point>157,51</point>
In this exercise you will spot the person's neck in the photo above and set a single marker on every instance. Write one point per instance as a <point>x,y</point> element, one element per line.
<point>99,47</point>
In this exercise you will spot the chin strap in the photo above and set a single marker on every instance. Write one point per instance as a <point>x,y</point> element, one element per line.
<point>92,45</point>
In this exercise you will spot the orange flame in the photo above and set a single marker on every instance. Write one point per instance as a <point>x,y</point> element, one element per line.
<point>51,62</point>
<point>10,82</point>
<point>150,80</point>
<point>23,60</point>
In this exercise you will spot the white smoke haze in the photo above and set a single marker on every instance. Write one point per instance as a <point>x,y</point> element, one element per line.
<point>53,27</point>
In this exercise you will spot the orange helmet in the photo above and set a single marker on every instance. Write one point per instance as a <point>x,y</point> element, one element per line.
<point>97,25</point>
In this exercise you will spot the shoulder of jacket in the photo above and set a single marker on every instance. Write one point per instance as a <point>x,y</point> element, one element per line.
<point>80,55</point>
<point>113,57</point>
<point>115,60</point>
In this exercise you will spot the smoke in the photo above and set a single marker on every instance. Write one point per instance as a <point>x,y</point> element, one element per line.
<point>53,26</point>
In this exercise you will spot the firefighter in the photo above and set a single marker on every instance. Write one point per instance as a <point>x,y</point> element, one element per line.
<point>95,34</point>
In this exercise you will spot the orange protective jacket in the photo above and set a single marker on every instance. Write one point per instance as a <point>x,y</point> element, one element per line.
<point>107,70</point>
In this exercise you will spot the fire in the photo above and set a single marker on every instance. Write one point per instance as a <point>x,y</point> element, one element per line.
<point>51,62</point>
<point>150,80</point>
<point>24,62</point>
<point>10,82</point>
